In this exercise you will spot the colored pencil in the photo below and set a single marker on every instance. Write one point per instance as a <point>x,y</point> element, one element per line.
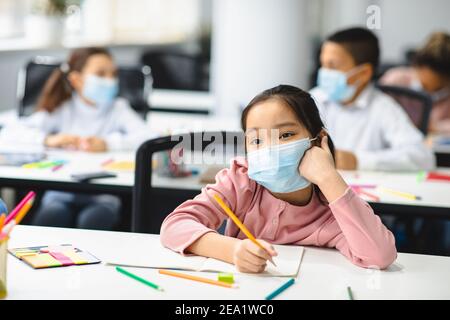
<point>350,293</point>
<point>16,210</point>
<point>195,278</point>
<point>240,225</point>
<point>286,285</point>
<point>2,221</point>
<point>56,168</point>
<point>104,163</point>
<point>438,176</point>
<point>137,278</point>
<point>23,211</point>
<point>401,194</point>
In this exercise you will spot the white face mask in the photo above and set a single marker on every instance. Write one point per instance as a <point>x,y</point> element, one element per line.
<point>101,91</point>
<point>334,84</point>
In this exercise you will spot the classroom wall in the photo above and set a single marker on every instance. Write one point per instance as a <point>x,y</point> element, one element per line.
<point>11,61</point>
<point>418,19</point>
<point>248,35</point>
<point>256,44</point>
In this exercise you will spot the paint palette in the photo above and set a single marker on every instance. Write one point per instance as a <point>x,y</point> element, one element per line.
<point>53,256</point>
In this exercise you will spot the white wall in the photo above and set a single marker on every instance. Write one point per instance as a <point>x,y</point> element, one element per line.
<point>257,44</point>
<point>405,24</point>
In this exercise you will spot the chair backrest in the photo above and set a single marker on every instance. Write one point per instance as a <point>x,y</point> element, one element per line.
<point>416,104</point>
<point>151,205</point>
<point>177,70</point>
<point>134,84</point>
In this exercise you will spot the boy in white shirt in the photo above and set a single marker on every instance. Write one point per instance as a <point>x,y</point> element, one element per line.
<point>370,130</point>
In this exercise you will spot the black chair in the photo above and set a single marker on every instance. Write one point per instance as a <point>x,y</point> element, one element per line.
<point>134,84</point>
<point>151,205</point>
<point>177,70</point>
<point>416,104</point>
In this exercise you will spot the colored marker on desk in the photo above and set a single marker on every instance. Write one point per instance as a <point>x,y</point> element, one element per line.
<point>196,278</point>
<point>350,293</point>
<point>141,280</point>
<point>289,283</point>
<point>58,167</point>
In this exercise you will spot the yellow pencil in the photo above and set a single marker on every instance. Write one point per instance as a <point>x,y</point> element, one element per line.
<point>2,221</point>
<point>195,278</point>
<point>240,225</point>
<point>401,194</point>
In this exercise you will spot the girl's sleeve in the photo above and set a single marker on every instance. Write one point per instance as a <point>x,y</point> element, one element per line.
<point>196,217</point>
<point>358,233</point>
<point>131,130</point>
<point>33,129</point>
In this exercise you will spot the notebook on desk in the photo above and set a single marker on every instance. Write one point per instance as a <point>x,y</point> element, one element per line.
<point>288,261</point>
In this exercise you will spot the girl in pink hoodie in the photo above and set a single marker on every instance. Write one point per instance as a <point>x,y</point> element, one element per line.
<point>286,191</point>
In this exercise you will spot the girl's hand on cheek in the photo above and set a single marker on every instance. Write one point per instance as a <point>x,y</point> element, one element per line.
<point>318,164</point>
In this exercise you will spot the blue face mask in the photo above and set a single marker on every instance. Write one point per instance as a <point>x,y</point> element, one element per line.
<point>334,83</point>
<point>276,167</point>
<point>101,91</point>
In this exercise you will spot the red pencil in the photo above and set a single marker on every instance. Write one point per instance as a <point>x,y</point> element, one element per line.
<point>438,176</point>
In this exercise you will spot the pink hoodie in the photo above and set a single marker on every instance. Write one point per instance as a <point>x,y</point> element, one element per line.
<point>347,223</point>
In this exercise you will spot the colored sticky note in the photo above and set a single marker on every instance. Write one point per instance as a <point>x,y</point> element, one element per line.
<point>44,260</point>
<point>75,257</point>
<point>65,260</point>
<point>120,166</point>
<point>87,257</point>
<point>226,277</point>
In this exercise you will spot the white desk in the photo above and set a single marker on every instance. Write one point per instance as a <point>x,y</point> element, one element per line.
<point>435,195</point>
<point>324,274</point>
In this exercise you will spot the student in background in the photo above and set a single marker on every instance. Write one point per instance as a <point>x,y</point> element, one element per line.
<point>287,191</point>
<point>79,110</point>
<point>430,72</point>
<point>371,131</point>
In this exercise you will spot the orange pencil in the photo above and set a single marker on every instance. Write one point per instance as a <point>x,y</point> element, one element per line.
<point>2,221</point>
<point>23,211</point>
<point>239,224</point>
<point>195,278</point>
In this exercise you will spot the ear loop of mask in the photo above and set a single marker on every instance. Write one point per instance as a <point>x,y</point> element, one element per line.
<point>351,73</point>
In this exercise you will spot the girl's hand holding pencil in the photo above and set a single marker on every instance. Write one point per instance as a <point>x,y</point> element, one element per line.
<point>250,258</point>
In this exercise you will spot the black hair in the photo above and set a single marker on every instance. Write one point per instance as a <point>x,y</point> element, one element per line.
<point>56,89</point>
<point>435,54</point>
<point>361,43</point>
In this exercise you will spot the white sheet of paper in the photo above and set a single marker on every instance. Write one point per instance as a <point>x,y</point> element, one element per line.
<point>288,263</point>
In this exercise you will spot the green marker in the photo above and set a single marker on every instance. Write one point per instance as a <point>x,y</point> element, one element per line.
<point>275,293</point>
<point>421,176</point>
<point>350,293</point>
<point>135,277</point>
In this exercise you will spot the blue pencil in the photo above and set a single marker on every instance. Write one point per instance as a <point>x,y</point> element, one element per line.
<point>289,283</point>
